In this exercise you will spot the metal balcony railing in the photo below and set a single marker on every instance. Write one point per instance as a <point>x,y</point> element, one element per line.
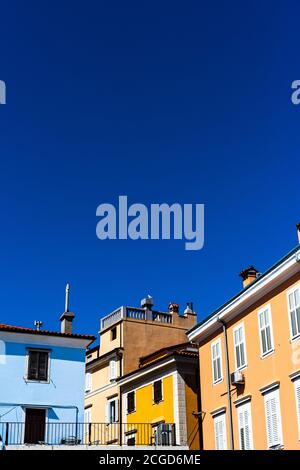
<point>130,434</point>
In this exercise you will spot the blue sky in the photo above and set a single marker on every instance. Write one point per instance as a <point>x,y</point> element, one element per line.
<point>183,102</point>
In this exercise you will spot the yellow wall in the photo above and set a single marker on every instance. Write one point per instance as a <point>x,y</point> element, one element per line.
<point>259,372</point>
<point>149,412</point>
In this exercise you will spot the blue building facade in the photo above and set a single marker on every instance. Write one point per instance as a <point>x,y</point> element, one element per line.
<point>42,382</point>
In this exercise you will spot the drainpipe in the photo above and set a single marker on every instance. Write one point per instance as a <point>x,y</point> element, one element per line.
<point>228,383</point>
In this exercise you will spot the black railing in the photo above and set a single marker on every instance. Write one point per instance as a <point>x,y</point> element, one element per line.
<point>131,434</point>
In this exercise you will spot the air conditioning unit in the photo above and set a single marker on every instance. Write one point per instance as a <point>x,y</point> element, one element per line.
<point>164,435</point>
<point>237,378</point>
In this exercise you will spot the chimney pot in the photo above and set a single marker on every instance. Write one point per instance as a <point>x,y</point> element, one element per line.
<point>249,275</point>
<point>173,307</point>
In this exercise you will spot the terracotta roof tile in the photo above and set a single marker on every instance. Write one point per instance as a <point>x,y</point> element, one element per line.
<point>20,329</point>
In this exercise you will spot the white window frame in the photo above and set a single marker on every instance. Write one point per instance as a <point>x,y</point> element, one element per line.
<point>289,292</point>
<point>220,418</point>
<point>273,394</point>
<point>215,343</point>
<point>242,366</point>
<point>266,308</point>
<point>242,409</point>
<point>88,382</point>
<point>297,400</point>
<point>112,369</point>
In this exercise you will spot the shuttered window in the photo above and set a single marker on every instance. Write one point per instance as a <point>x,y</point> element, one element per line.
<point>297,396</point>
<point>112,369</point>
<point>265,330</point>
<point>239,346</point>
<point>294,311</point>
<point>216,361</point>
<point>220,432</point>
<point>88,382</point>
<point>112,411</point>
<point>157,391</point>
<point>245,426</point>
<point>38,365</point>
<point>273,418</point>
<point>130,402</point>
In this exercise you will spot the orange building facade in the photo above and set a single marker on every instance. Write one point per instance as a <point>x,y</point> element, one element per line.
<point>249,352</point>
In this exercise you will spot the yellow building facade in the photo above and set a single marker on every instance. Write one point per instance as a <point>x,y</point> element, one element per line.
<point>249,353</point>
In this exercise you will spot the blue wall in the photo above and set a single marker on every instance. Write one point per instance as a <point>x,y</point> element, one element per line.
<point>65,389</point>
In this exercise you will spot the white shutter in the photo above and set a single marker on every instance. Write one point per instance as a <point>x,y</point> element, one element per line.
<point>116,410</point>
<point>220,432</point>
<point>216,355</point>
<point>88,382</point>
<point>273,418</point>
<point>245,426</point>
<point>107,412</point>
<point>297,396</point>
<point>112,369</point>
<point>239,346</point>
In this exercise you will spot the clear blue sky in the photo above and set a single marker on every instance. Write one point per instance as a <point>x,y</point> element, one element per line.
<point>183,102</point>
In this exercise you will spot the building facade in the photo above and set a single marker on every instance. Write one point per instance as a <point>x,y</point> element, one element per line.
<point>42,381</point>
<point>162,394</point>
<point>126,335</point>
<point>249,352</point>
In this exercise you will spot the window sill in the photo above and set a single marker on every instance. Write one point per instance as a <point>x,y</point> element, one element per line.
<point>267,354</point>
<point>218,381</point>
<point>241,368</point>
<point>36,381</point>
<point>157,402</point>
<point>295,338</point>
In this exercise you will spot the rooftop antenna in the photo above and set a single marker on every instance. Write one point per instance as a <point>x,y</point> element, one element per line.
<point>38,324</point>
<point>67,297</point>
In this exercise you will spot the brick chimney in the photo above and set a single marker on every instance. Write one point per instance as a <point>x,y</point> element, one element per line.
<point>249,275</point>
<point>67,317</point>
<point>298,231</point>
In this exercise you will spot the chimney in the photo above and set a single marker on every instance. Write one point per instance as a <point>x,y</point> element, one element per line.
<point>67,317</point>
<point>249,275</point>
<point>173,308</point>
<point>298,231</point>
<point>147,303</point>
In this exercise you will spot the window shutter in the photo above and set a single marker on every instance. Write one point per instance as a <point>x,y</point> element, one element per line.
<point>112,369</point>
<point>107,412</point>
<point>88,382</point>
<point>116,410</point>
<point>273,420</point>
<point>130,402</point>
<point>245,426</point>
<point>33,365</point>
<point>297,394</point>
<point>43,366</point>
<point>220,432</point>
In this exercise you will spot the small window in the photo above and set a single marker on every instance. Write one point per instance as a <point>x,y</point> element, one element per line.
<point>130,402</point>
<point>38,365</point>
<point>294,311</point>
<point>157,391</point>
<point>112,411</point>
<point>216,361</point>
<point>130,439</point>
<point>265,329</point>
<point>113,333</point>
<point>239,347</point>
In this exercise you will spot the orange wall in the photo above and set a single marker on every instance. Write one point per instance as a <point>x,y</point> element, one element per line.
<point>258,373</point>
